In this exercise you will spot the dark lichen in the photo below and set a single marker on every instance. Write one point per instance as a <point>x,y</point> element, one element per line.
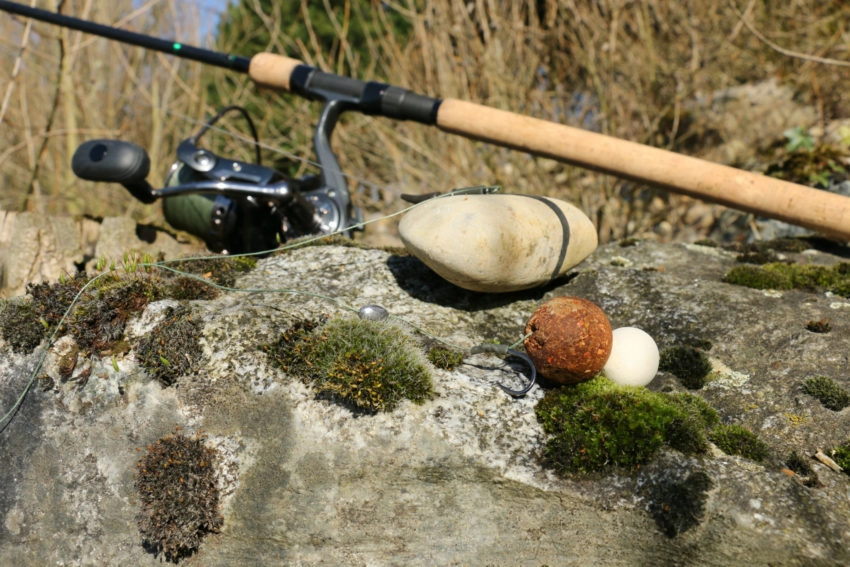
<point>678,506</point>
<point>367,366</point>
<point>177,487</point>
<point>781,276</point>
<point>827,391</point>
<point>202,276</point>
<point>445,358</point>
<point>822,326</point>
<point>97,322</point>
<point>686,363</point>
<point>598,424</point>
<point>50,301</point>
<point>802,468</point>
<point>738,440</point>
<point>171,349</point>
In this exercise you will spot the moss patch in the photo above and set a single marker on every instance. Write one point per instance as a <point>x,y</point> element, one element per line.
<point>171,349</point>
<point>99,319</point>
<point>817,166</point>
<point>176,483</point>
<point>793,276</point>
<point>828,392</point>
<point>737,440</point>
<point>368,366</point>
<point>20,326</point>
<point>598,424</point>
<point>445,358</point>
<point>686,363</point>
<point>221,271</point>
<point>841,456</point>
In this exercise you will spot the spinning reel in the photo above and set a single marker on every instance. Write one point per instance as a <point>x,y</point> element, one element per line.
<point>233,206</point>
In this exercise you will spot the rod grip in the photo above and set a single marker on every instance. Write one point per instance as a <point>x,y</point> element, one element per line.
<point>821,211</point>
<point>271,70</point>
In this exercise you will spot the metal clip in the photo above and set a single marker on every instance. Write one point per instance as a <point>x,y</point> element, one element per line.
<point>503,350</point>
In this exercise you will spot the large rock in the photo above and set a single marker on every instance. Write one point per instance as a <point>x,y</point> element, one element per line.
<point>457,480</point>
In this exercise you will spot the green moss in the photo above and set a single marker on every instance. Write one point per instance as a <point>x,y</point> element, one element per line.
<point>841,456</point>
<point>828,392</point>
<point>445,358</point>
<point>817,167</point>
<point>781,276</point>
<point>686,363</point>
<point>177,488</point>
<point>368,366</point>
<point>738,440</point>
<point>291,350</point>
<point>171,349</point>
<point>688,431</point>
<point>598,424</point>
<point>678,506</point>
<point>20,326</point>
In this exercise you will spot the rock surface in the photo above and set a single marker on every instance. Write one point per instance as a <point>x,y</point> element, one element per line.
<point>36,248</point>
<point>457,480</point>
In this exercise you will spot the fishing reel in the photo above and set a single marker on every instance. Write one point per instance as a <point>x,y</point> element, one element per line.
<point>233,206</point>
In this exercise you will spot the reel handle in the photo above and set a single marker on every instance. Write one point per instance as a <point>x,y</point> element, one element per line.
<point>115,161</point>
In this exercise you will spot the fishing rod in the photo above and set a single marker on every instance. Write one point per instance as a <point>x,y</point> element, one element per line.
<point>821,211</point>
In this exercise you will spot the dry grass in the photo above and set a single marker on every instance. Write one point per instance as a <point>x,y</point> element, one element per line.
<point>647,71</point>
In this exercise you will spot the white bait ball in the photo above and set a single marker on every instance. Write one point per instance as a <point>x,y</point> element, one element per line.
<point>634,358</point>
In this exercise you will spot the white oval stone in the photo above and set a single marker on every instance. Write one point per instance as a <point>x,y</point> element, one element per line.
<point>634,358</point>
<point>498,243</point>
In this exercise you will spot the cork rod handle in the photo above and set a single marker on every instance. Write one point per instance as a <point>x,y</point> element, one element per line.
<point>821,211</point>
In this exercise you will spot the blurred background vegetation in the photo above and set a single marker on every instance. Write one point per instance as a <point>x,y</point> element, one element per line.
<point>701,77</point>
